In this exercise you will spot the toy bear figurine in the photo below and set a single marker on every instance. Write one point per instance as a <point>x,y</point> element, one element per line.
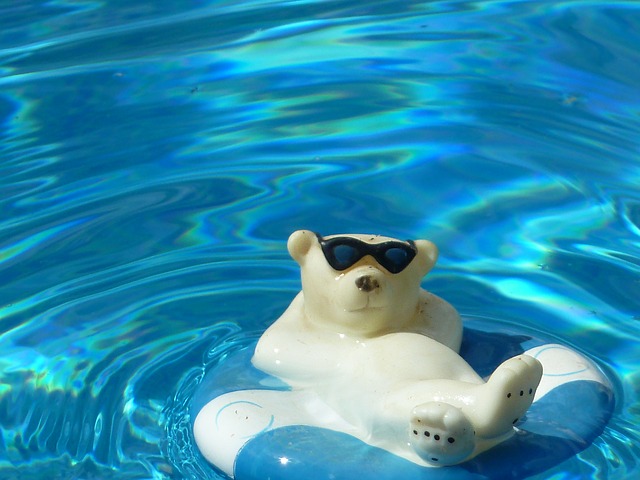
<point>366,351</point>
<point>382,352</point>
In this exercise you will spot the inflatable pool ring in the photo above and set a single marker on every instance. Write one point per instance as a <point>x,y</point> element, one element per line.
<point>573,404</point>
<point>323,421</point>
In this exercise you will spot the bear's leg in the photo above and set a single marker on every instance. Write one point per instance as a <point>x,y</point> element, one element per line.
<point>459,420</point>
<point>441,434</point>
<point>503,400</point>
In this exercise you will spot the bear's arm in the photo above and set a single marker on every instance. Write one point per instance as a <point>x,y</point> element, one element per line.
<point>437,319</point>
<point>293,350</point>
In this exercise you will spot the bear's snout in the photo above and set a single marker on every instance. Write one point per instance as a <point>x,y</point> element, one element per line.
<point>367,283</point>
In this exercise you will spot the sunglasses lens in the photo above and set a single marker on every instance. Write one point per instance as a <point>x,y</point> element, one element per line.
<point>396,259</point>
<point>344,256</point>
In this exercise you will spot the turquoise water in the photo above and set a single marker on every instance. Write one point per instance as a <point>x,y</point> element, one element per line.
<point>155,155</point>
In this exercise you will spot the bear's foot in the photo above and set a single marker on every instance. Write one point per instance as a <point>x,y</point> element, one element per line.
<point>507,395</point>
<point>441,434</point>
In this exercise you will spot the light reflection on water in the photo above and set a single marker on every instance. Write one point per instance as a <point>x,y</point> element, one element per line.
<point>156,156</point>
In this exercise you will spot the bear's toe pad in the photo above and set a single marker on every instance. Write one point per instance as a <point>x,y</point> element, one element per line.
<point>441,434</point>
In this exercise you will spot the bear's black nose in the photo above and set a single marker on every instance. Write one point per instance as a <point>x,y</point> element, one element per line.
<point>367,283</point>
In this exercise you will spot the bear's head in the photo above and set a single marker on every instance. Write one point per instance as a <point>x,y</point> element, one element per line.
<point>360,285</point>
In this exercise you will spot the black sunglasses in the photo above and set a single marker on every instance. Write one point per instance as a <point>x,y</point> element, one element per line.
<point>343,252</point>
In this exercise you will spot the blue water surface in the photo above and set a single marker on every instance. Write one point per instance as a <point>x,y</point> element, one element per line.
<point>155,156</point>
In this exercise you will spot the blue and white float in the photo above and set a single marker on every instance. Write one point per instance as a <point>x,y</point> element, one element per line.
<point>367,374</point>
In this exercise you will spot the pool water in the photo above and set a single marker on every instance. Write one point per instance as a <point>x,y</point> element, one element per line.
<point>155,156</point>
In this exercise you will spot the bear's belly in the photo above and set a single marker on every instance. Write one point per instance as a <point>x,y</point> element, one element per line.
<point>306,358</point>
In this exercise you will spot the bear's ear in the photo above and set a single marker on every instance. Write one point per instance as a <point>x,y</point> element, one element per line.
<point>427,255</point>
<point>299,244</point>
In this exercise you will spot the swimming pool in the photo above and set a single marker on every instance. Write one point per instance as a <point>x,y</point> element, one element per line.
<point>156,155</point>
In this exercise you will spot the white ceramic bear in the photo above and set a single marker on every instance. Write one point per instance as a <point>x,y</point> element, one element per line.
<point>382,352</point>
<point>368,352</point>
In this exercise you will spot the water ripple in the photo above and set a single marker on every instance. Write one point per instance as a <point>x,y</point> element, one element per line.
<point>156,157</point>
